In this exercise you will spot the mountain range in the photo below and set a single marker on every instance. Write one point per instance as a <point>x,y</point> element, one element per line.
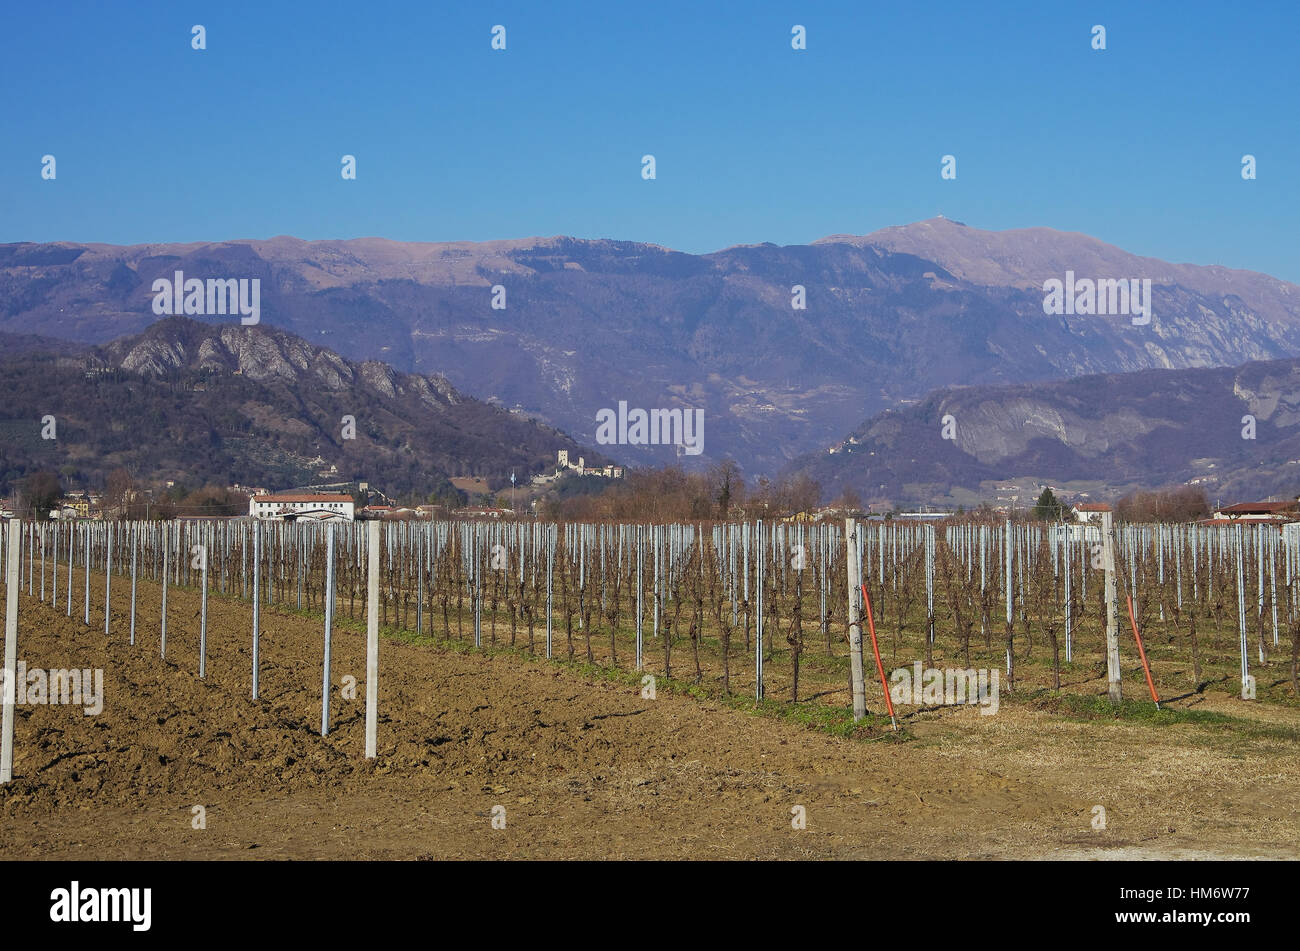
<point>889,319</point>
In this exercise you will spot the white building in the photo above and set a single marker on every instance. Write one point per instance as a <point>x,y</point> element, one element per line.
<point>563,464</point>
<point>1075,532</point>
<point>1090,513</point>
<point>293,505</point>
<point>1086,526</point>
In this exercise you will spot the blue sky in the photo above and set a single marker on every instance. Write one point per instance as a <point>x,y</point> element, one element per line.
<point>1139,145</point>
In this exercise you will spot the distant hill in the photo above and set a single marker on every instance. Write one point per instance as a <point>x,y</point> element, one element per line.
<point>1100,434</point>
<point>890,316</point>
<point>200,403</point>
<point>16,345</point>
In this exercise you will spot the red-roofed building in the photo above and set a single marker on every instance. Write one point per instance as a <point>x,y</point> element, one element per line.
<point>1259,512</point>
<point>288,506</point>
<point>1247,520</point>
<point>1090,512</point>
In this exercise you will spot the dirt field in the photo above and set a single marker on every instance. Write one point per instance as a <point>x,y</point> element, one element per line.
<point>584,767</point>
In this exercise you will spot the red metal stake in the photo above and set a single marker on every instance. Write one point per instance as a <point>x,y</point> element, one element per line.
<point>875,649</point>
<point>1142,652</point>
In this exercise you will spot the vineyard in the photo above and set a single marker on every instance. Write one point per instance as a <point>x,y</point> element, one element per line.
<point>603,678</point>
<point>750,609</point>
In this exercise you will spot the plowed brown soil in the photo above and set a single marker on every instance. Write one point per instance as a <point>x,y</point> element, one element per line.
<point>584,768</point>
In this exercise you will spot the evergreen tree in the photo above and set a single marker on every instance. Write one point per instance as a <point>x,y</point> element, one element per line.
<point>1049,508</point>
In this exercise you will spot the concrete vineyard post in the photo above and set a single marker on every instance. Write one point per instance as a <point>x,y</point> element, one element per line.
<point>86,558</point>
<point>71,535</point>
<point>203,607</point>
<point>853,571</point>
<point>983,578</point>
<point>135,551</point>
<point>166,549</point>
<point>640,594</point>
<point>1260,542</point>
<point>474,557</point>
<point>758,627</point>
<point>551,539</point>
<point>1006,554</point>
<point>929,581</point>
<point>372,636</point>
<point>822,550</point>
<point>13,577</point>
<point>654,542</point>
<point>419,585</point>
<point>1113,672</point>
<point>329,626</point>
<point>257,604</point>
<point>1069,618</point>
<point>108,575</point>
<point>1241,616</point>
<point>1272,582</point>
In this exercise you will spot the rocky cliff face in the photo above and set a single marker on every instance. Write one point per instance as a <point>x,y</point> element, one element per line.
<point>201,403</point>
<point>888,318</point>
<point>265,355</point>
<point>1235,431</point>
